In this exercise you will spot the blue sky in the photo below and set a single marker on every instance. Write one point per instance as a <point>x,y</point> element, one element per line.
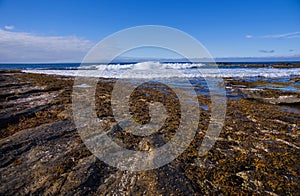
<point>61,30</point>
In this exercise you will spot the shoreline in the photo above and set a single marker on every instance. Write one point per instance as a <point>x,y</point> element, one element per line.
<point>42,152</point>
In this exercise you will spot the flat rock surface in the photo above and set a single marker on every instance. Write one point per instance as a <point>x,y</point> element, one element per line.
<point>260,95</point>
<point>42,151</point>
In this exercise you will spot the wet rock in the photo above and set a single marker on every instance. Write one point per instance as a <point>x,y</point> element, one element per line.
<point>263,96</point>
<point>67,113</point>
<point>285,99</point>
<point>249,183</point>
<point>256,152</point>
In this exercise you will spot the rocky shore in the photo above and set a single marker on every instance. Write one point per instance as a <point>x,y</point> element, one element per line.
<point>257,152</point>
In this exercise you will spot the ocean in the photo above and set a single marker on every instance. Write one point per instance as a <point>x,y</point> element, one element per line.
<point>156,70</point>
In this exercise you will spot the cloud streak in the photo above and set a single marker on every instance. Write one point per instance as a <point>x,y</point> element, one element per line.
<point>266,51</point>
<point>27,47</point>
<point>9,27</point>
<point>277,36</point>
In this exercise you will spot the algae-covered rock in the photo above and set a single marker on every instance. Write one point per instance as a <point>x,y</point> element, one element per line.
<point>257,151</point>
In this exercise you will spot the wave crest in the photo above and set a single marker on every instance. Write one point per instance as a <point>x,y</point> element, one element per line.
<point>148,65</point>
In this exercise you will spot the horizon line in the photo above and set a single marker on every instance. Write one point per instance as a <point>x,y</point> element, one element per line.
<point>178,60</point>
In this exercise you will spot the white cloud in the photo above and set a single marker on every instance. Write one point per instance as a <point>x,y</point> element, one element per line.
<point>277,36</point>
<point>27,47</point>
<point>285,35</point>
<point>9,27</point>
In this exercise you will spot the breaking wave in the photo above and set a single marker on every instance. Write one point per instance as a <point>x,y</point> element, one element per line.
<point>170,70</point>
<point>143,66</point>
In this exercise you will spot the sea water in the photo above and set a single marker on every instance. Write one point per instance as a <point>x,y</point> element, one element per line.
<point>197,73</point>
<point>157,70</point>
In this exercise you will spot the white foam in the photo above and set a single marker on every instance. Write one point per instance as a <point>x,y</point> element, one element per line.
<point>83,86</point>
<point>166,70</point>
<point>142,66</point>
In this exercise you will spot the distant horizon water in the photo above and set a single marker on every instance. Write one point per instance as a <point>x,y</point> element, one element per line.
<point>7,65</point>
